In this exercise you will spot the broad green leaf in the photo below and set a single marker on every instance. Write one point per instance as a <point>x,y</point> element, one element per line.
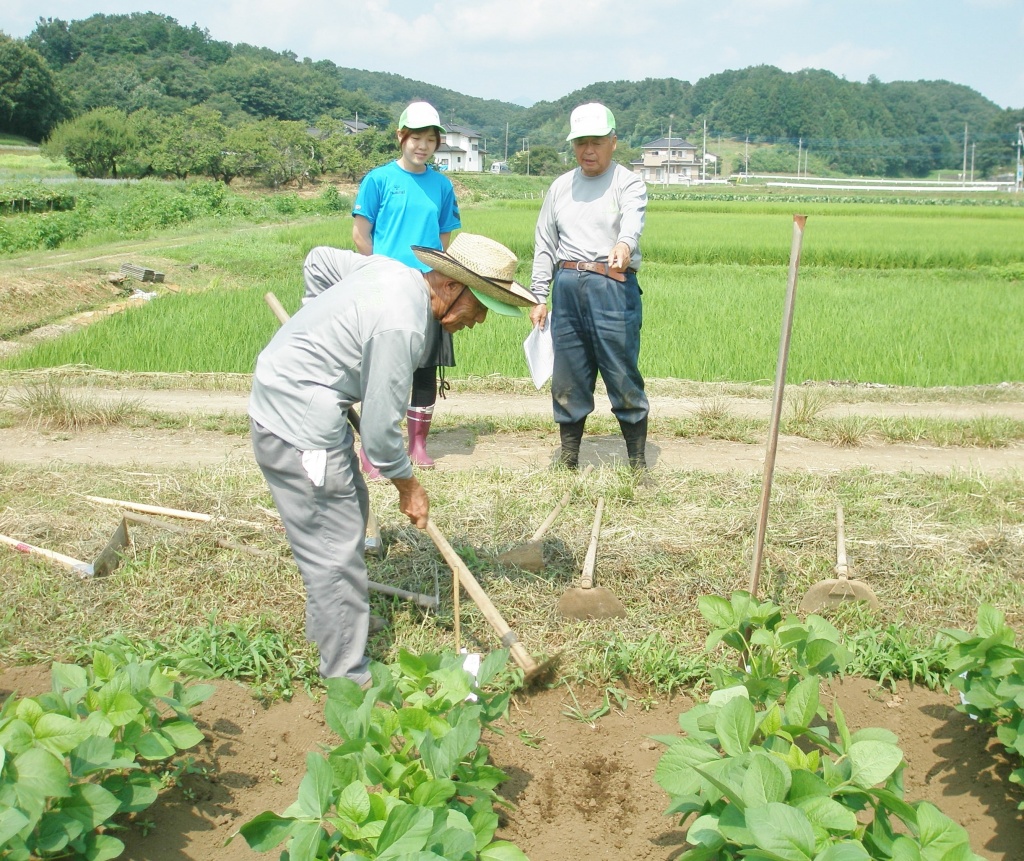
<point>267,830</point>
<point>491,666</point>
<point>434,793</point>
<point>16,736</point>
<point>720,696</point>
<point>905,849</point>
<point>733,824</point>
<point>59,734</point>
<point>767,780</point>
<point>875,733</point>
<point>135,792</point>
<point>12,821</point>
<point>485,823</point>
<point>802,702</point>
<point>844,733</point>
<point>182,734</point>
<point>102,847</point>
<point>674,772</point>
<point>120,707</point>
<point>89,804</point>
<point>196,694</point>
<point>716,610</point>
<point>440,757</point>
<point>704,831</point>
<point>354,802</point>
<point>937,833</point>
<point>54,832</point>
<point>96,754</point>
<point>453,836</point>
<point>406,830</point>
<point>782,830</point>
<point>153,746</point>
<point>305,843</point>
<point>829,814</point>
<point>29,710</point>
<point>730,790</point>
<point>38,771</point>
<point>735,726</point>
<point>316,788</point>
<point>848,850</point>
<point>502,850</point>
<point>68,676</point>
<point>991,622</point>
<point>871,762</point>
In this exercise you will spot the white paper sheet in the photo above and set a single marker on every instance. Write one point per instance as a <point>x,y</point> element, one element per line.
<point>540,353</point>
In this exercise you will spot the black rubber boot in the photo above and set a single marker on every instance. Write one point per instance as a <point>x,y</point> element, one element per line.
<point>571,434</point>
<point>636,443</point>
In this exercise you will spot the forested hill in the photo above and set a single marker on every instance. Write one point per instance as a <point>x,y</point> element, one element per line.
<point>145,60</point>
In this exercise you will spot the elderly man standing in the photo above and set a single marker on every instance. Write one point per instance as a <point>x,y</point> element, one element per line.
<point>587,249</point>
<point>358,339</point>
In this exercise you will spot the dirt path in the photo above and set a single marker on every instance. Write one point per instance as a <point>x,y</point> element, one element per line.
<point>460,448</point>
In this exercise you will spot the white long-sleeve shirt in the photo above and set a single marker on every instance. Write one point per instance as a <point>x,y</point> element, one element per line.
<point>582,218</point>
<point>356,342</point>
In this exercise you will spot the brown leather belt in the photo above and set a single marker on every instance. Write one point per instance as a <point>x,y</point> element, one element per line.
<point>600,268</point>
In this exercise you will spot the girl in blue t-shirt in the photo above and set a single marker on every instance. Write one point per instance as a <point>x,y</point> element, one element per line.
<point>401,204</point>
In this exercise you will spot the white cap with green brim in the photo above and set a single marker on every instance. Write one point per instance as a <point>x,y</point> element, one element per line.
<point>591,120</point>
<point>486,267</point>
<point>419,115</point>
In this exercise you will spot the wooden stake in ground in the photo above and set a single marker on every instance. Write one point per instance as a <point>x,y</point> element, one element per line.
<point>780,384</point>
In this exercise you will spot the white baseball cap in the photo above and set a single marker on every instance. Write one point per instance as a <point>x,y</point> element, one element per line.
<point>419,115</point>
<point>591,120</point>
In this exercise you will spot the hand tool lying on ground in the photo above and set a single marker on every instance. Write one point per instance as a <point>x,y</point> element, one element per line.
<point>533,672</point>
<point>530,555</point>
<point>428,602</point>
<point>108,560</point>
<point>780,383</point>
<point>832,593</point>
<point>373,544</point>
<point>589,601</point>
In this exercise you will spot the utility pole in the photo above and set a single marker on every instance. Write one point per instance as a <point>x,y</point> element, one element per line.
<point>973,145</point>
<point>668,164</point>
<point>506,142</point>
<point>799,156</point>
<point>963,174</point>
<point>704,154</point>
<point>1020,164</point>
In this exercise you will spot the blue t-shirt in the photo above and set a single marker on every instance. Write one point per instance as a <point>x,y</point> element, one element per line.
<point>407,209</point>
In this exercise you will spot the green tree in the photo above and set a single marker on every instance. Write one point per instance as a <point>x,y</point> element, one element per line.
<point>190,143</point>
<point>31,100</point>
<point>94,144</point>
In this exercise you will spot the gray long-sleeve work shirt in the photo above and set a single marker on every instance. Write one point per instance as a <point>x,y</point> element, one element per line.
<point>582,218</point>
<point>356,342</point>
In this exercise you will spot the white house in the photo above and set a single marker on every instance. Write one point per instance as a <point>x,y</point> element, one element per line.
<point>460,150</point>
<point>670,162</point>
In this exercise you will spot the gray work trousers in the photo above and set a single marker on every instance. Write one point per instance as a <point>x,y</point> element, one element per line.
<point>326,528</point>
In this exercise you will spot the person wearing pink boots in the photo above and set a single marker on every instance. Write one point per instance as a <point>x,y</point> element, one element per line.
<point>399,205</point>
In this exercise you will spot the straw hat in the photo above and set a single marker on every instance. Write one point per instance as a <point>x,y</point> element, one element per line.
<point>486,267</point>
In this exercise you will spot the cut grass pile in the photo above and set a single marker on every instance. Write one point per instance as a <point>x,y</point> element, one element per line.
<point>931,547</point>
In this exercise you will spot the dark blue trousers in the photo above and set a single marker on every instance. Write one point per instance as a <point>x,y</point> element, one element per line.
<point>596,328</point>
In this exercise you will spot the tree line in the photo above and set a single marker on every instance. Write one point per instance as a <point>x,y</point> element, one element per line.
<point>148,64</point>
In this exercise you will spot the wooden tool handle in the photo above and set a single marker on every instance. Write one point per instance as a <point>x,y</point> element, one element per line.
<point>152,509</point>
<point>276,306</point>
<point>83,568</point>
<point>587,577</point>
<point>564,501</point>
<point>842,566</point>
<point>473,589</point>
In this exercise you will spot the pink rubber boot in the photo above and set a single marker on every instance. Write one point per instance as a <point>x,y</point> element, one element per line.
<point>418,420</point>
<point>371,471</point>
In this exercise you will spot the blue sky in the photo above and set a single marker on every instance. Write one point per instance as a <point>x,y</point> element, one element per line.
<point>524,51</point>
